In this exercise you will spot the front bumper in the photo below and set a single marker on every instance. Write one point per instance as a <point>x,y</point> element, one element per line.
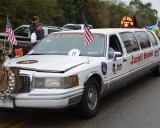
<point>47,98</point>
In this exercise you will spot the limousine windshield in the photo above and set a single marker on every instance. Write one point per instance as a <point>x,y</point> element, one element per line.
<point>62,43</point>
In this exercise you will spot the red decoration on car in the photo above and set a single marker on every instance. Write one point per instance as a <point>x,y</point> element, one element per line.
<point>128,22</point>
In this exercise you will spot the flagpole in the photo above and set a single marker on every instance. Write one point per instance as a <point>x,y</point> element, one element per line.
<point>5,34</point>
<point>87,55</point>
<point>86,47</point>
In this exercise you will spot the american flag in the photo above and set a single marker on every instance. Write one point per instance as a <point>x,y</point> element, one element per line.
<point>87,33</point>
<point>10,32</point>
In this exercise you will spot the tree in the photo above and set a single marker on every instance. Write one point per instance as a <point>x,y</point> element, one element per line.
<point>69,9</point>
<point>118,10</point>
<point>100,14</point>
<point>21,12</point>
<point>144,13</point>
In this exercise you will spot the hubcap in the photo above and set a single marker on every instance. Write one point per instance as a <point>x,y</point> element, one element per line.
<point>92,97</point>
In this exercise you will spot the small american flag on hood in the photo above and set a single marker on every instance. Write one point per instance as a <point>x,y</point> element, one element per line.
<point>87,33</point>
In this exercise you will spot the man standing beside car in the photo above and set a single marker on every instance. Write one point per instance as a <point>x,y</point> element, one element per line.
<point>35,20</point>
<point>38,34</point>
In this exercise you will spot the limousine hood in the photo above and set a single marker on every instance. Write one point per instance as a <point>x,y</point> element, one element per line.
<point>50,63</point>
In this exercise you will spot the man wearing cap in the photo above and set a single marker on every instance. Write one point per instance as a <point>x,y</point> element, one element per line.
<point>35,20</point>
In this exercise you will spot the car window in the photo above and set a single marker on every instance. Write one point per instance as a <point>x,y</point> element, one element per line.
<point>90,26</point>
<point>73,27</point>
<point>152,38</point>
<point>22,31</point>
<point>114,45</point>
<point>130,41</point>
<point>62,43</point>
<point>52,30</point>
<point>143,39</point>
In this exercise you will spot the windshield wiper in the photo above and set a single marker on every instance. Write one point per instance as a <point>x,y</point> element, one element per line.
<point>37,54</point>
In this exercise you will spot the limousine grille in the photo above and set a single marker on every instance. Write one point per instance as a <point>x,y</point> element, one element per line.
<point>26,84</point>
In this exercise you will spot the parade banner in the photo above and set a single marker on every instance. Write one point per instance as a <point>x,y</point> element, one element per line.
<point>128,22</point>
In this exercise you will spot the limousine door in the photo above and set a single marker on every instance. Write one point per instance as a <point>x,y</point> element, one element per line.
<point>133,52</point>
<point>140,52</point>
<point>147,55</point>
<point>117,66</point>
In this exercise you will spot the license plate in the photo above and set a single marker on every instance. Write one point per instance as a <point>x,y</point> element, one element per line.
<point>6,103</point>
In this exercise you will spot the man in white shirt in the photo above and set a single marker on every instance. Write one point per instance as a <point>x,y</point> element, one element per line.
<point>38,34</point>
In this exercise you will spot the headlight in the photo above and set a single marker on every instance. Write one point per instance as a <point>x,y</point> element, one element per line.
<point>65,82</point>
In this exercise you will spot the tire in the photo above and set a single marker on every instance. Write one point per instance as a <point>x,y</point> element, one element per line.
<point>156,71</point>
<point>89,104</point>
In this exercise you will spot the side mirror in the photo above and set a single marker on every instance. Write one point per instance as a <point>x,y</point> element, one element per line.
<point>117,54</point>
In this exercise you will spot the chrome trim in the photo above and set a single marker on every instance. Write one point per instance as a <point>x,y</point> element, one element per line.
<point>31,79</point>
<point>51,71</point>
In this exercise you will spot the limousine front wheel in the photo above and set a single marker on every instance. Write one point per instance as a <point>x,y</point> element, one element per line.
<point>89,105</point>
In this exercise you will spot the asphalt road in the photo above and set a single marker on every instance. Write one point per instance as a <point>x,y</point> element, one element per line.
<point>135,106</point>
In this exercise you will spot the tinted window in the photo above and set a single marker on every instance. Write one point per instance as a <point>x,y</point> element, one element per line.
<point>22,31</point>
<point>152,38</point>
<point>143,39</point>
<point>114,46</point>
<point>52,30</point>
<point>130,41</point>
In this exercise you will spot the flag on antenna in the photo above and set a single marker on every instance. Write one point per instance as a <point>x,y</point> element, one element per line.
<point>87,33</point>
<point>10,33</point>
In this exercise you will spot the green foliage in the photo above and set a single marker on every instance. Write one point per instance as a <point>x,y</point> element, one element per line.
<point>21,12</point>
<point>144,13</point>
<point>117,11</point>
<point>100,14</point>
<point>68,9</point>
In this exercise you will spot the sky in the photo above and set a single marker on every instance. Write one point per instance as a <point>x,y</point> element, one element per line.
<point>155,4</point>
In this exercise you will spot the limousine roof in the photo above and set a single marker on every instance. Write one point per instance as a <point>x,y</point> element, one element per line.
<point>107,30</point>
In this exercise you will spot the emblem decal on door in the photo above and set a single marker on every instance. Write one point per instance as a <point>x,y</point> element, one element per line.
<point>104,68</point>
<point>114,68</point>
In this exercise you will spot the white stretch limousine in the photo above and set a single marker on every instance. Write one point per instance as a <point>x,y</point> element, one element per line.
<point>61,71</point>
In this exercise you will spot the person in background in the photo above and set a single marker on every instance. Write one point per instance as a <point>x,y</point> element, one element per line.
<point>38,34</point>
<point>35,20</point>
